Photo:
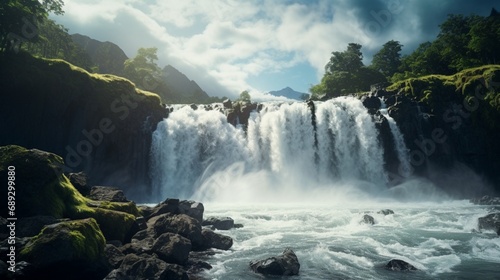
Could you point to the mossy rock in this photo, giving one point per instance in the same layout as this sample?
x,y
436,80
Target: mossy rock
x,y
72,241
42,189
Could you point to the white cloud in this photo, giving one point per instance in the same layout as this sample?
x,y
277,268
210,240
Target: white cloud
x,y
222,43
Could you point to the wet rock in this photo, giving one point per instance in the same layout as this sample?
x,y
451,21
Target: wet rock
x,y
490,222
371,102
286,264
79,181
215,240
113,255
227,104
170,205
221,223
146,267
172,248
385,212
103,193
181,224
192,208
399,265
367,219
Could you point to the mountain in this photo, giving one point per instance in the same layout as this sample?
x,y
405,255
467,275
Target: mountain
x,y
185,89
106,56
290,93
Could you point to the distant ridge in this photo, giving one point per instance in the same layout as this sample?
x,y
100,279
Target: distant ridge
x,y
290,93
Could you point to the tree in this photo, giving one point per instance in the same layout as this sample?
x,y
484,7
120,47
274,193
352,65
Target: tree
x,y
388,60
19,20
349,60
345,73
245,96
142,69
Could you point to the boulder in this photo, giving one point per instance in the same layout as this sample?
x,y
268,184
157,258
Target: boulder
x,y
192,208
490,222
399,265
181,224
68,250
371,102
221,223
172,248
79,181
227,104
146,267
385,212
367,219
138,247
215,240
170,205
285,264
103,193
113,255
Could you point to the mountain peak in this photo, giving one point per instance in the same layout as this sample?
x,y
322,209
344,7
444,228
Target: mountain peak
x,y
288,92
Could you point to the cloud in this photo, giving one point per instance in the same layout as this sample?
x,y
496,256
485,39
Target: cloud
x,y
223,44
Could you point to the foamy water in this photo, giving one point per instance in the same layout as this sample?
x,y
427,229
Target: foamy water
x,y
440,239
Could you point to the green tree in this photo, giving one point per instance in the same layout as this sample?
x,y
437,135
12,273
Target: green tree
x,y
349,60
388,60
143,70
19,20
345,73
245,96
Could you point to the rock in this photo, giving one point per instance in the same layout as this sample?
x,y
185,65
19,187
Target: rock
x,y
286,264
399,265
181,224
194,106
140,235
172,248
238,226
146,267
486,200
490,222
103,193
31,226
227,104
385,212
68,250
79,181
192,208
138,246
113,255
222,223
371,102
215,240
145,210
367,219
170,205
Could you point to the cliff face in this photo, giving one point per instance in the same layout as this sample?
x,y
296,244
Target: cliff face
x,y
451,125
100,124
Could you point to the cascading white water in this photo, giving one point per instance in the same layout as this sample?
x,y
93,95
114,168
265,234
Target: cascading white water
x,y
405,168
197,154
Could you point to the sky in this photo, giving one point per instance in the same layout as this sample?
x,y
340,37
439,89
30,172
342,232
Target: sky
x,y
228,46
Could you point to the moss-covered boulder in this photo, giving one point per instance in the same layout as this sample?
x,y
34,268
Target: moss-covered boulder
x,y
70,250
42,189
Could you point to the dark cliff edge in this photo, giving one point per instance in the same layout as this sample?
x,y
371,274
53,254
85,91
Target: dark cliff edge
x,y
100,124
451,126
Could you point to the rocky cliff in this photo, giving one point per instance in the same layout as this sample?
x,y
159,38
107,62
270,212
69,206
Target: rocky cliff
x,y
100,124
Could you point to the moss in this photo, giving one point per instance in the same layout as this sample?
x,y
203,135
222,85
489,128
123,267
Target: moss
x,y
42,186
127,207
79,240
479,86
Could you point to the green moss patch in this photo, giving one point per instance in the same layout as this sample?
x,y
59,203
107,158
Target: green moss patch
x,y
78,240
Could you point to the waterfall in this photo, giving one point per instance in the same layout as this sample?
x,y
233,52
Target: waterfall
x,y
196,152
405,167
